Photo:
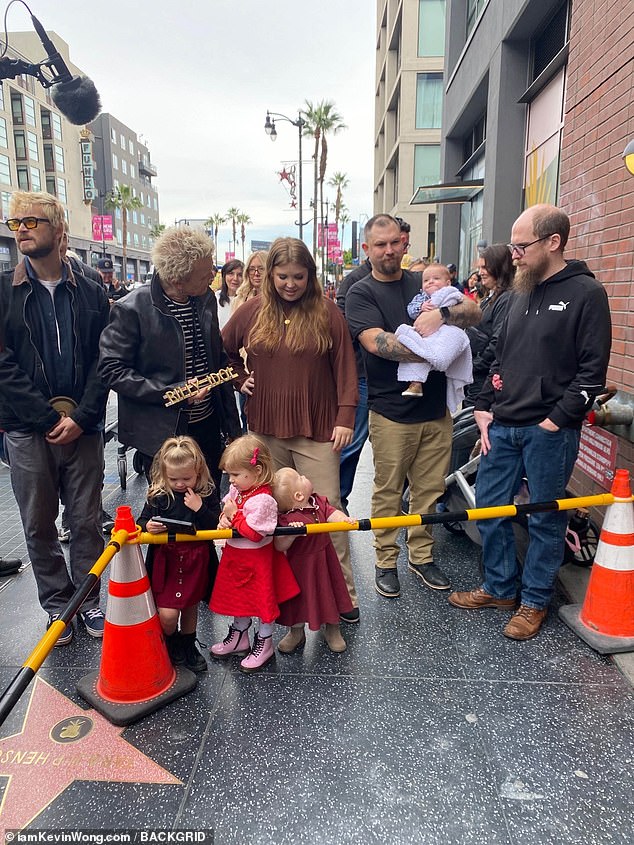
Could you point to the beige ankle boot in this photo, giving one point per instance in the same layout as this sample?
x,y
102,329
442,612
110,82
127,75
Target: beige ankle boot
x,y
334,640
294,639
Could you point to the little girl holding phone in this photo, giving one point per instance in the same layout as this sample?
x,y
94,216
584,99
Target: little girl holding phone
x,y
181,574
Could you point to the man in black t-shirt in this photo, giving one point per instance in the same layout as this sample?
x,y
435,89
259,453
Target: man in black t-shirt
x,y
411,437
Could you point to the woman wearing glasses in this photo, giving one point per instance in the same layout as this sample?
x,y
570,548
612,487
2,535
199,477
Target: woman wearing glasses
x,y
253,275
496,271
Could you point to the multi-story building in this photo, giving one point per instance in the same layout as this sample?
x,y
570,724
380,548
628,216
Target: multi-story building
x,y
408,110
42,151
120,158
503,117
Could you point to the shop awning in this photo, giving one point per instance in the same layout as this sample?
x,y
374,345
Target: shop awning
x,y
447,192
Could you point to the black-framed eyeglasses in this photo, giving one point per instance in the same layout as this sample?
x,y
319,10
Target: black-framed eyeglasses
x,y
14,223
256,270
520,249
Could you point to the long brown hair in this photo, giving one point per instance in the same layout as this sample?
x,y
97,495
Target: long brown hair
x,y
309,327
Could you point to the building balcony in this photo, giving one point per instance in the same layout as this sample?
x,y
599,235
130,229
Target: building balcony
x,y
147,169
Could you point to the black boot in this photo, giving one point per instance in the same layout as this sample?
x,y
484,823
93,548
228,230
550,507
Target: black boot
x,y
193,659
175,650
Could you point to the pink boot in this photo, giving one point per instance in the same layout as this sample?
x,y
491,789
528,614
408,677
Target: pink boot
x,y
236,642
261,653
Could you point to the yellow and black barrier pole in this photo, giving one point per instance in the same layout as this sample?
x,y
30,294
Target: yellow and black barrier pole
x,y
27,672
41,651
407,521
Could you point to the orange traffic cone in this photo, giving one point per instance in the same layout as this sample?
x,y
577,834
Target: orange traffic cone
x,y
136,676
606,619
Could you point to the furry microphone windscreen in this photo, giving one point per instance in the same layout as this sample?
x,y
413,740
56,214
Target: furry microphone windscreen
x,y
78,99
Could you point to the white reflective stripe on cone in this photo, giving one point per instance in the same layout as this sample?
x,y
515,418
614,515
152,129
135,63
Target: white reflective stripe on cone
x,y
128,565
615,549
130,610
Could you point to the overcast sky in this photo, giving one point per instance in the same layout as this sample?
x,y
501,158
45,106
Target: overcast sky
x,y
195,78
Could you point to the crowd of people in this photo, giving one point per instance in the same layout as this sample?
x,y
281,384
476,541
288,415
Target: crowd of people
x,y
527,337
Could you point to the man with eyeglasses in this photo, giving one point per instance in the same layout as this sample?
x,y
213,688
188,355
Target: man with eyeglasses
x,y
52,403
551,361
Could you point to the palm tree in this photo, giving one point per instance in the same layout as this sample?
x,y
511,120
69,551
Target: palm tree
x,y
214,223
243,219
124,199
233,214
340,182
344,218
157,230
321,118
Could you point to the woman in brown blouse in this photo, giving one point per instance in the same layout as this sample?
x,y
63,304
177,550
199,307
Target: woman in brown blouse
x,y
300,379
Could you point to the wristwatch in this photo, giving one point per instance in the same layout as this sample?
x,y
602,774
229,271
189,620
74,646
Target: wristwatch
x,y
444,314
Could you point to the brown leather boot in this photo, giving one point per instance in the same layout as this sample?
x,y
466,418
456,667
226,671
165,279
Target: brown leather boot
x,y
473,599
525,623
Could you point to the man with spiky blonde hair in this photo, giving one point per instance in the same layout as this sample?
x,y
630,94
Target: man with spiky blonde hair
x,y
162,335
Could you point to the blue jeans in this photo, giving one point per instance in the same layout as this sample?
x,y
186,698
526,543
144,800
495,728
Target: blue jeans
x,y
547,458
351,454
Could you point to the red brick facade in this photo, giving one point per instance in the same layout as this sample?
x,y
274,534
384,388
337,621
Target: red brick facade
x,y
596,190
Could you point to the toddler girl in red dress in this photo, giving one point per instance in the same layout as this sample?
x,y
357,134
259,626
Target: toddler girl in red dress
x,y
253,577
313,559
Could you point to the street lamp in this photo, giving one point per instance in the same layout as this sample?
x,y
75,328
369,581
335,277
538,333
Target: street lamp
x,y
271,131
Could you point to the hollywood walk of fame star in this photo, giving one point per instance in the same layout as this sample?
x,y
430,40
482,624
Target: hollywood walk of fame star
x,y
60,743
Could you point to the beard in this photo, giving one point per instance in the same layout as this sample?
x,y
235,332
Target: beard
x,y
388,266
527,278
34,251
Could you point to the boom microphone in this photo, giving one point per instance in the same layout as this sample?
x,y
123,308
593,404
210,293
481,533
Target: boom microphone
x,y
75,96
77,99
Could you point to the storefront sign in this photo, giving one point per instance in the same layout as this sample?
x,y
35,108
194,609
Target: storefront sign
x,y
87,167
102,227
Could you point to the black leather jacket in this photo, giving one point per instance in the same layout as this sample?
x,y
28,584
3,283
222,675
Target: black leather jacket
x,y
24,389
143,355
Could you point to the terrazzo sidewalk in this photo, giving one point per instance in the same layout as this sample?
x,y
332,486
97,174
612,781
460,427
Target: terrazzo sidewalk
x,y
431,728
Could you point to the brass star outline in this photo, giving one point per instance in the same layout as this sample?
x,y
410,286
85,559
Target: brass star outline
x,y
39,768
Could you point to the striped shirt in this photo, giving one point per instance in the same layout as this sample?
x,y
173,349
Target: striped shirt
x,y
196,363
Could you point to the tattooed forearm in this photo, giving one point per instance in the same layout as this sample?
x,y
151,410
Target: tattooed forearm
x,y
387,346
464,314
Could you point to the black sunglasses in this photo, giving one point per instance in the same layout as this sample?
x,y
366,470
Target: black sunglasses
x,y
14,223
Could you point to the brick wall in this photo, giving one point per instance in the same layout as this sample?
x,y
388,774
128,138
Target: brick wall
x,y
596,190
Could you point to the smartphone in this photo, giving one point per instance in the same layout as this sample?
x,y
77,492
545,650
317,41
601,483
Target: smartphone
x,y
176,526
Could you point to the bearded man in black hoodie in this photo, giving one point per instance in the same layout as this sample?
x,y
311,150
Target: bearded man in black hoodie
x,y
551,362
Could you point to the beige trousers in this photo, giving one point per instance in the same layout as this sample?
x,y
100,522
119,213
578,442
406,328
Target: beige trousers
x,y
419,452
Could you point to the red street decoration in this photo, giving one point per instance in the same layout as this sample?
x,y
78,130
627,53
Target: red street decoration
x,y
289,176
